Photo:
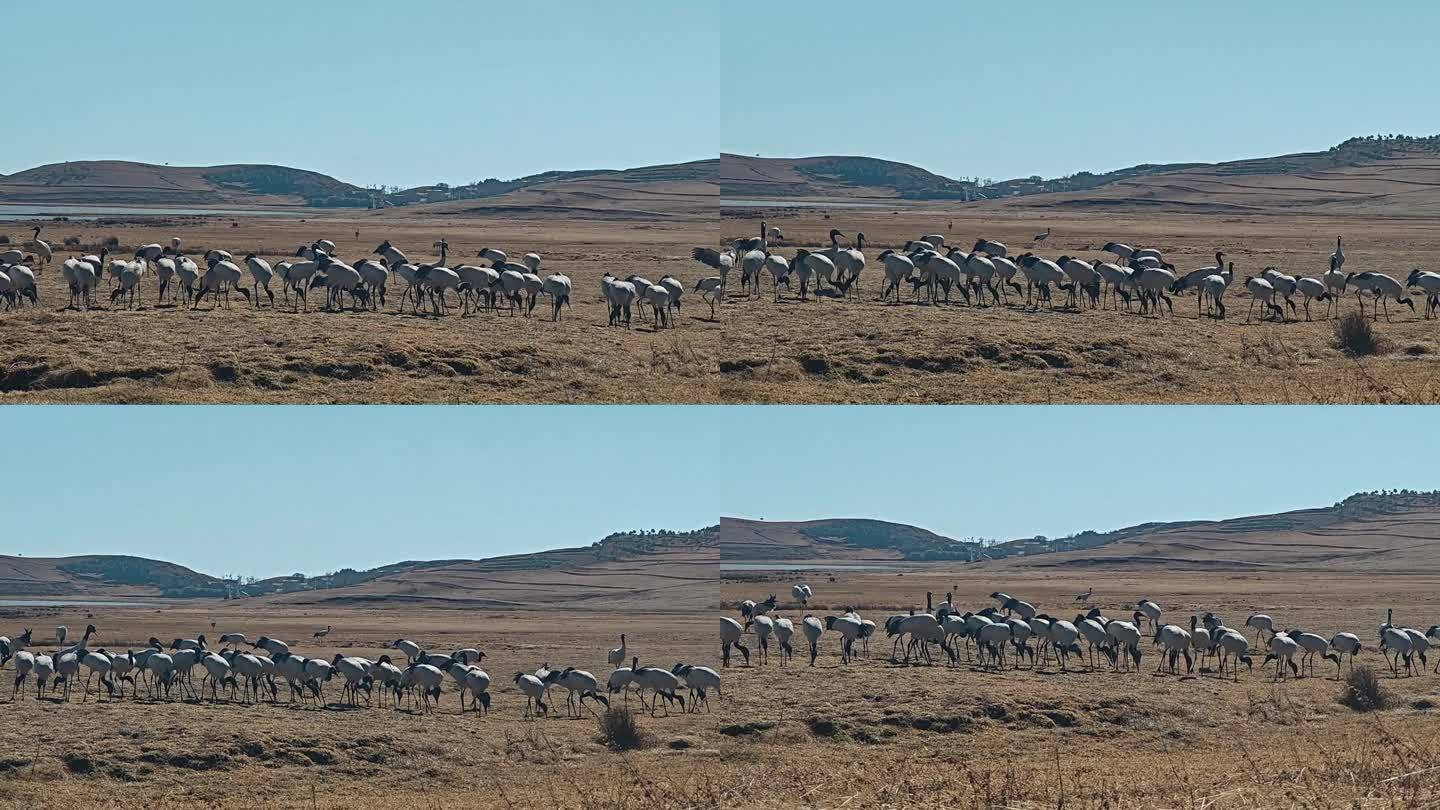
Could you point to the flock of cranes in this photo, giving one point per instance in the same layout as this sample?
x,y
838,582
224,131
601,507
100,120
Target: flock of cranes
x,y
988,273
254,671
1017,630
359,284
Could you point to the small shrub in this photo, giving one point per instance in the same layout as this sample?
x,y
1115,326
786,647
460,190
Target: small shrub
x,y
822,727
1355,336
111,242
619,731
1363,692
72,241
4,240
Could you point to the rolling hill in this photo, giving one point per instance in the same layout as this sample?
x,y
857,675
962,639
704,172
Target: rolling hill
x,y
1365,533
831,177
1405,181
101,576
119,182
681,190
625,571
833,539
1395,175
675,191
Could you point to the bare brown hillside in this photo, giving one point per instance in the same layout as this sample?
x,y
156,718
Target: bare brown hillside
x,y
1386,177
675,579
1404,184
828,177
1402,542
836,539
98,576
678,191
121,182
1364,534
627,571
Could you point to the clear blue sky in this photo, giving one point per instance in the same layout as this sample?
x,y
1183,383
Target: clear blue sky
x,y
273,490
1008,472
370,91
1009,89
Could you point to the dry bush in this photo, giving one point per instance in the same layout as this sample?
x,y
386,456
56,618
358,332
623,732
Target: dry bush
x,y
1355,336
1363,692
620,732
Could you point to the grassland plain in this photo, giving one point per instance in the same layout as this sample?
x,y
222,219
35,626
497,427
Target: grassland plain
x,y
165,353
138,752
862,350
880,733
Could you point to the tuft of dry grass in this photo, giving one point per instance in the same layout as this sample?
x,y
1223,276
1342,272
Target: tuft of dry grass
x,y
619,730
1355,336
1363,691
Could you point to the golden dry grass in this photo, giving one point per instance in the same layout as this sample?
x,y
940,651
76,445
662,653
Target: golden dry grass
x,y
864,351
175,355
137,752
878,733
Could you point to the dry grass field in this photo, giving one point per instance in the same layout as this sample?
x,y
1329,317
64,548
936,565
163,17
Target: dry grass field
x,y
877,733
864,351
142,753
171,354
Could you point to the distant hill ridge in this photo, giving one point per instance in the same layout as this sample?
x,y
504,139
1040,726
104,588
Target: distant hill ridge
x,y
122,575
833,176
1382,512
127,182
119,182
1390,174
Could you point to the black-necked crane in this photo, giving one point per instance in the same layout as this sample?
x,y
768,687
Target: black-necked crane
x,y
41,248
1262,291
1312,289
731,632
616,655
1430,283
1234,649
1343,644
1383,287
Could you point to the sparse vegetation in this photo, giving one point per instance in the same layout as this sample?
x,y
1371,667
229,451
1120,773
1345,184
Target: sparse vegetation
x,y
912,352
1355,336
1288,742
1363,691
620,732
274,356
133,752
